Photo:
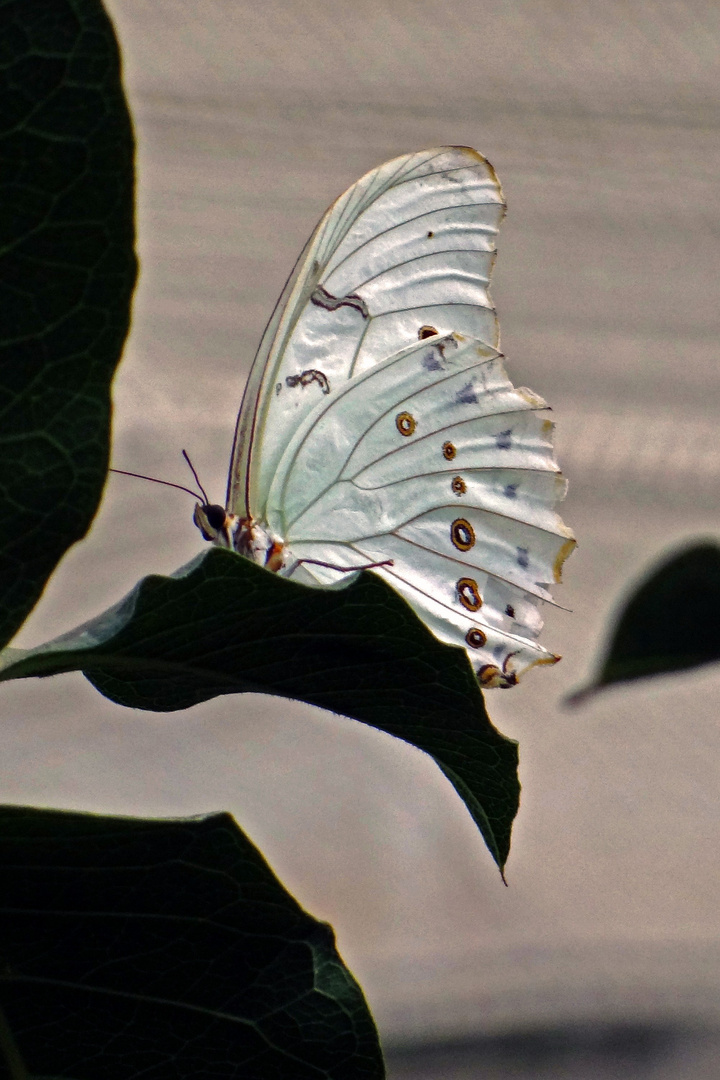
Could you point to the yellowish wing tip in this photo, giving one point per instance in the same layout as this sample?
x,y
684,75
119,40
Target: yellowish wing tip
x,y
482,160
549,658
470,150
561,556
534,401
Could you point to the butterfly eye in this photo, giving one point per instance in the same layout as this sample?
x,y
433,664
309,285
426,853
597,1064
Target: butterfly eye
x,y
405,423
426,331
462,534
215,515
449,451
468,594
210,520
475,638
458,485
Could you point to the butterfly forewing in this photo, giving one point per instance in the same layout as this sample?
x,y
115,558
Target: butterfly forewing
x,y
237,497
375,258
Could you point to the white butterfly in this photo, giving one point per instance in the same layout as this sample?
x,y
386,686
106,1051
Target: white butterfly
x,y
378,425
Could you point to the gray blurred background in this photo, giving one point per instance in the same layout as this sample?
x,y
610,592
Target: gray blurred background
x,y
602,959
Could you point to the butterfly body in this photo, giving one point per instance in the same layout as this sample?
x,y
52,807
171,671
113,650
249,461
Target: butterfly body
x,y
379,428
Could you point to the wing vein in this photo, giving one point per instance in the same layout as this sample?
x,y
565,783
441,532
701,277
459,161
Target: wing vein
x,y
418,217
358,348
459,274
484,510
459,562
456,424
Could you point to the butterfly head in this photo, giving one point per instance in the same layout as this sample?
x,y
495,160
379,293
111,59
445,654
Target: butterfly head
x,y
243,535
215,524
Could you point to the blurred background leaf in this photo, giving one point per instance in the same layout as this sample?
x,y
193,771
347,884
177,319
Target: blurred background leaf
x,y
224,625
670,622
167,948
67,272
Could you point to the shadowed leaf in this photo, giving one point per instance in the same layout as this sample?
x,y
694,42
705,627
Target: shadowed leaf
x,y
224,625
67,271
138,948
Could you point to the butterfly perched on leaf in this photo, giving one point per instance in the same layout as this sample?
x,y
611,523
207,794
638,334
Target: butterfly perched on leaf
x,y
379,429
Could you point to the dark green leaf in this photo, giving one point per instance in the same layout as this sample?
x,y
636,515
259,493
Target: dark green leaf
x,y
228,626
67,271
157,949
670,623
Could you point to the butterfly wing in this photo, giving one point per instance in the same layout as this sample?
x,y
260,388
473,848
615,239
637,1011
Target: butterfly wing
x,y
411,245
432,459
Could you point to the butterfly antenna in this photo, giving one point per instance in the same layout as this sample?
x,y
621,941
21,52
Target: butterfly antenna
x,y
154,480
197,478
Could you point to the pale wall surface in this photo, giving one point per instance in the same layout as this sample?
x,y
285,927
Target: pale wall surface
x,y
602,121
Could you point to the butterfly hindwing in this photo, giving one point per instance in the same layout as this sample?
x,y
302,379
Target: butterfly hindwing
x,y
432,459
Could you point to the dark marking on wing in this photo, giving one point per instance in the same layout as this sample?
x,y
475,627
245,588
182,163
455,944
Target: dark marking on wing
x,y
475,637
510,491
433,359
405,423
504,439
467,395
322,298
469,594
426,332
307,377
490,675
462,534
523,557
